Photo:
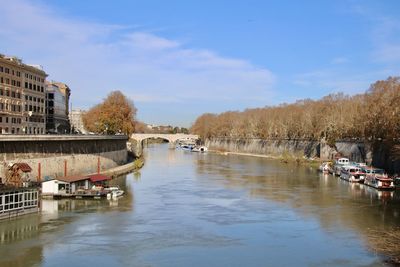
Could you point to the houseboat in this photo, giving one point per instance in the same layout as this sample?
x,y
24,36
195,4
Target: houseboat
x,y
16,201
378,179
77,186
352,174
18,195
338,165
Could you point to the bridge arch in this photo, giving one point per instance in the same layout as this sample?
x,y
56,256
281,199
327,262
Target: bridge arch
x,y
171,138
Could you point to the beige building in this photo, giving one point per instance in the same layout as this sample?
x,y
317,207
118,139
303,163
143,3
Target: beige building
x,y
75,118
22,97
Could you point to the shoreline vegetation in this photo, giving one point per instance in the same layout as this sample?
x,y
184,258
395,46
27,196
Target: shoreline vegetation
x,y
129,167
386,242
373,116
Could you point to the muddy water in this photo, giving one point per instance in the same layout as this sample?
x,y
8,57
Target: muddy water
x,y
188,209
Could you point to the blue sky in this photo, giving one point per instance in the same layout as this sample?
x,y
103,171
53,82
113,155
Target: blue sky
x,y
179,59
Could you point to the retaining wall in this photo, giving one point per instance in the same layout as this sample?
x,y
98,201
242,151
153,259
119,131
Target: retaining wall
x,y
53,156
377,154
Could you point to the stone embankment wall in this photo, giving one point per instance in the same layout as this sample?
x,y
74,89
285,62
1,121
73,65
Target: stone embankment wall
x,y
376,154
266,147
60,155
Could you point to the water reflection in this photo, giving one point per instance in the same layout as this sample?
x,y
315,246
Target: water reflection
x,y
188,209
334,202
16,234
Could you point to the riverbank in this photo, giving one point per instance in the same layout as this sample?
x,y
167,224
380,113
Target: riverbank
x,y
303,150
136,165
312,162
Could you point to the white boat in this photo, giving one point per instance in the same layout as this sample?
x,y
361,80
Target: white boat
x,y
339,163
117,193
199,149
325,167
114,192
352,174
378,179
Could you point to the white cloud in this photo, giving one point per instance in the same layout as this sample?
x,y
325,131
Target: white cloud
x,y
93,58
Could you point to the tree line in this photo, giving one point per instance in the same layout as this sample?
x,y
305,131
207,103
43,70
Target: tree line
x,y
373,115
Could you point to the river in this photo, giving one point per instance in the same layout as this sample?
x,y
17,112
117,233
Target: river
x,y
189,209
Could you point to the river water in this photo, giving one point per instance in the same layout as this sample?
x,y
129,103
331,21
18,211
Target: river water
x,y
189,209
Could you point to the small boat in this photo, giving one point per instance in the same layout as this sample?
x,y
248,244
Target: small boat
x,y
114,192
352,174
325,167
378,179
186,147
117,193
199,149
339,163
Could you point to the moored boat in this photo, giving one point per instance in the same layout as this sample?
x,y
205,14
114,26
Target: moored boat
x,y
199,149
352,174
325,167
378,179
339,163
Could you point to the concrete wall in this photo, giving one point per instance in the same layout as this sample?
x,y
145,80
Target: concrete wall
x,y
76,154
266,147
376,154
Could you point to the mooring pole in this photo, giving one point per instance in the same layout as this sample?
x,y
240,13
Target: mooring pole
x,y
39,172
98,165
65,168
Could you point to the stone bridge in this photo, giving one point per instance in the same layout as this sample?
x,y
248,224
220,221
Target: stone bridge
x,y
171,138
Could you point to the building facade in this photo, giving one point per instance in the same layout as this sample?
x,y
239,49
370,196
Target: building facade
x,y
57,102
22,97
75,118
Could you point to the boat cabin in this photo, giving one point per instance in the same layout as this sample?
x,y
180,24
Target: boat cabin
x,y
65,186
343,161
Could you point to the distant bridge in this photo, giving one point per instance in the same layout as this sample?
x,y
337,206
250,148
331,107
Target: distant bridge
x,y
171,138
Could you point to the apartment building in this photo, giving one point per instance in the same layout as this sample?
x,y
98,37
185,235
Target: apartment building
x,y
75,118
22,97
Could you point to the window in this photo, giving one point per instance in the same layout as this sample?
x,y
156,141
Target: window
x,y
1,69
7,70
26,85
30,86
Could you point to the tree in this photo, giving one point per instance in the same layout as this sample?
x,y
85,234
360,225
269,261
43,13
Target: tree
x,y
115,115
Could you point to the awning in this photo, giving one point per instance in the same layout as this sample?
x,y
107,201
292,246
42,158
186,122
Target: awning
x,y
93,178
73,178
98,178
